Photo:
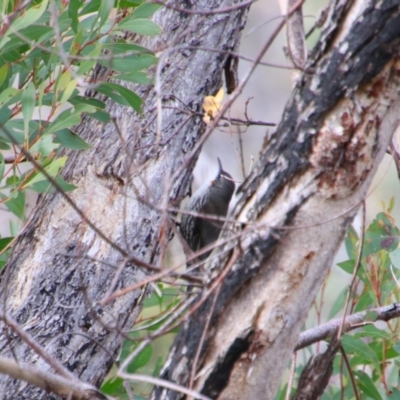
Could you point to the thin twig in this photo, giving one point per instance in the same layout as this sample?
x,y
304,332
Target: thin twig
x,y
163,383
33,344
356,267
353,381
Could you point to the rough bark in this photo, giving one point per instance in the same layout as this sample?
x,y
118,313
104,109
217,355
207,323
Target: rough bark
x,y
60,267
296,207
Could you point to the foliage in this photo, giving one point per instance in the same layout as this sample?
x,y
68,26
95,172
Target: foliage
x,y
48,51
373,350
157,309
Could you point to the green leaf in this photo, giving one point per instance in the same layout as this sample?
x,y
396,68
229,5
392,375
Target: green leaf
x,y
87,100
4,145
140,26
146,10
364,301
128,97
17,204
7,95
29,17
4,242
45,186
141,360
28,105
101,116
112,386
124,48
66,119
2,166
105,9
14,228
86,66
85,108
395,394
3,73
391,205
73,8
52,169
68,92
395,258
130,63
152,300
359,348
371,331
63,80
128,3
35,32
43,147
90,7
347,266
135,77
396,347
366,384
70,140
76,44
381,234
350,242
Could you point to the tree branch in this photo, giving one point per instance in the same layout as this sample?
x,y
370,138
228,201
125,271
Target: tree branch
x,y
351,322
67,388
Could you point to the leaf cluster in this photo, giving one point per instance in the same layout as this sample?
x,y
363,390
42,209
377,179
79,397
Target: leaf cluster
x,y
48,52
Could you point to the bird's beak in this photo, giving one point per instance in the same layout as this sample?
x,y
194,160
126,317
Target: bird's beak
x,y
219,165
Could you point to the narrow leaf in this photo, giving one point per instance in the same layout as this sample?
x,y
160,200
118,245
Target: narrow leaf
x,y
140,26
3,73
45,186
146,10
131,63
131,98
135,77
105,9
65,120
43,147
29,17
73,8
28,105
4,242
7,95
52,169
17,204
2,166
70,140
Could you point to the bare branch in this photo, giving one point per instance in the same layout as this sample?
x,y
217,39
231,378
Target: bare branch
x,y
67,388
351,322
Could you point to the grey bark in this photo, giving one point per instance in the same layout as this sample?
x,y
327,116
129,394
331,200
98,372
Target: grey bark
x,y
296,207
60,267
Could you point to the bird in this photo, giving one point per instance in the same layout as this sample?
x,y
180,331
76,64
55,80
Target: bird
x,y
212,198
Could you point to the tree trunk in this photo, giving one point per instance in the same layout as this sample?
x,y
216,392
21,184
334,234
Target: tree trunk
x,y
295,208
61,268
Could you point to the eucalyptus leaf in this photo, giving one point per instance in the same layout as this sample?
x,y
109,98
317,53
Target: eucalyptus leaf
x,y
131,98
28,105
67,138
141,26
146,10
29,17
17,204
66,119
45,186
